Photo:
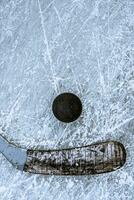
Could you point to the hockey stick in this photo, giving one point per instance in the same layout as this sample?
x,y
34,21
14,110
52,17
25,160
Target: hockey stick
x,y
96,158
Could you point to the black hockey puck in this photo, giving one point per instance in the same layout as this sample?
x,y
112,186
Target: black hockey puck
x,y
67,107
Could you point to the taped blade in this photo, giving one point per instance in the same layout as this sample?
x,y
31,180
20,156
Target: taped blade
x,y
93,159
96,158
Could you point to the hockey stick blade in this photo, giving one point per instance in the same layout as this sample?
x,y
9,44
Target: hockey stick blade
x,y
96,158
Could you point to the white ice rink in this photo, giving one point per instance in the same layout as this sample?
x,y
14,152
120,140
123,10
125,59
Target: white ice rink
x,y
52,46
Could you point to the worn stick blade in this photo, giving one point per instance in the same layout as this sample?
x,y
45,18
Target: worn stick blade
x,y
93,159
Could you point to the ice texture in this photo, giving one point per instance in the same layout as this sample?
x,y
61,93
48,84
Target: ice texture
x,y
52,46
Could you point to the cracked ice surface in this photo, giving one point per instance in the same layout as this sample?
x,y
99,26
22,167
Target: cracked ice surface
x,y
81,46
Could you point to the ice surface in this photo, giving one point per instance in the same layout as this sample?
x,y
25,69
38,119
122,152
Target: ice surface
x,y
81,46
